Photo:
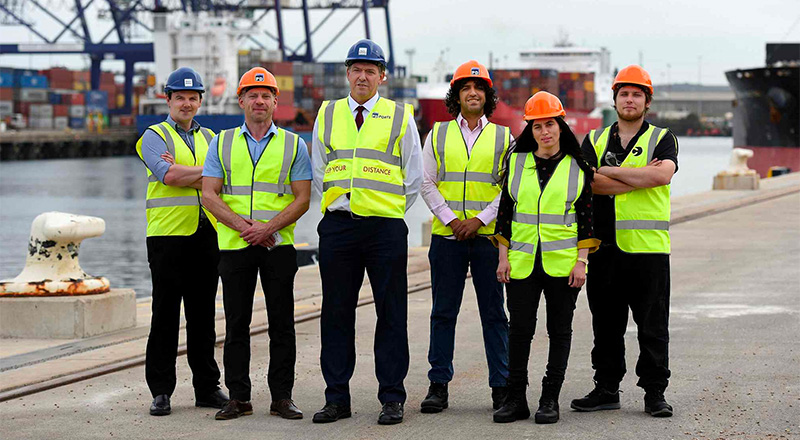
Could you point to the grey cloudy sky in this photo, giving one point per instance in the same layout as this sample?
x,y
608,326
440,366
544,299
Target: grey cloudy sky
x,y
695,38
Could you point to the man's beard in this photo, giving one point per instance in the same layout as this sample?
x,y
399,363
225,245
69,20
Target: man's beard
x,y
639,116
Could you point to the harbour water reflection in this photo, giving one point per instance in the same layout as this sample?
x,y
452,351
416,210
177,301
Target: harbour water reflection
x,y
114,189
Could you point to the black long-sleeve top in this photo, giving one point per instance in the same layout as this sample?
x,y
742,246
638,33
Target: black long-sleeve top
x,y
583,206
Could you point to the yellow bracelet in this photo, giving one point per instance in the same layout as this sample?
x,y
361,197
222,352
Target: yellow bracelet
x,y
584,261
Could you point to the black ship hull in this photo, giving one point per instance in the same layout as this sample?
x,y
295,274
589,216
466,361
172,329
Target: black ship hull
x,y
767,116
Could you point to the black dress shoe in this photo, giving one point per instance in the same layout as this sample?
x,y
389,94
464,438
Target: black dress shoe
x,y
332,412
217,399
160,406
286,409
234,409
391,414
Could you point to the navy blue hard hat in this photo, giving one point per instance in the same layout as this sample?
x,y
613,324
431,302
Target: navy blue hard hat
x,y
185,78
365,50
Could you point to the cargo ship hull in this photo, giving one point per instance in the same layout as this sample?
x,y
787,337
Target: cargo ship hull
x,y
767,116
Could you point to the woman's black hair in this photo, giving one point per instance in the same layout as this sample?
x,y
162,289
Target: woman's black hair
x,y
452,98
568,144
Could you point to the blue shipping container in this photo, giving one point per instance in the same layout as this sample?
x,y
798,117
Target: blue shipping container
x,y
33,82
55,98
6,79
77,122
97,101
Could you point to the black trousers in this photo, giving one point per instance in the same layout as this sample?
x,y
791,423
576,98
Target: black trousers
x,y
239,270
618,282
347,248
183,269
523,303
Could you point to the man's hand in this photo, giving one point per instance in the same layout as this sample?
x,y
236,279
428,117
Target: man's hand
x,y
258,234
469,229
168,158
456,226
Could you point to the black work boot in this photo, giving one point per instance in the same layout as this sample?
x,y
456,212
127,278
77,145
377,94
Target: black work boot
x,y
436,400
499,395
515,406
655,404
548,403
602,397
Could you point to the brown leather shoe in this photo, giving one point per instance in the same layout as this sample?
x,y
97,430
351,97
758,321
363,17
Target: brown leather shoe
x,y
233,409
286,409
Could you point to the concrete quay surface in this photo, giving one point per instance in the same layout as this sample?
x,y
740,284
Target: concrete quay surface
x,y
734,352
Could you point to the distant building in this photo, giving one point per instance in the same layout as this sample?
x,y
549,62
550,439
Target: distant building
x,y
675,101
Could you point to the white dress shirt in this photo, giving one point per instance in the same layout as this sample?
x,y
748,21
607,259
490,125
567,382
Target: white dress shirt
x,y
410,155
430,192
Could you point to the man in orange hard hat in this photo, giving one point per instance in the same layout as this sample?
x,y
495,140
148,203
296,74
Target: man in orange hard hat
x,y
635,163
461,164
257,182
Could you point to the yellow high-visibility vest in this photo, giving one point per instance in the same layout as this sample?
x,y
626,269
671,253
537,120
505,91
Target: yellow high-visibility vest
x,y
641,216
468,182
547,216
366,163
259,191
175,210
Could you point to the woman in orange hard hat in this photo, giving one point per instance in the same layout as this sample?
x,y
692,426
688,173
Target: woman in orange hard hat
x,y
544,233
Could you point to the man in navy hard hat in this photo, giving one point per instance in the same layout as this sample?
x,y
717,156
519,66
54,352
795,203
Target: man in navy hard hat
x,y
366,158
181,247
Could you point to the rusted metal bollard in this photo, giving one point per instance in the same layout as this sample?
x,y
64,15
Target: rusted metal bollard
x,y
51,266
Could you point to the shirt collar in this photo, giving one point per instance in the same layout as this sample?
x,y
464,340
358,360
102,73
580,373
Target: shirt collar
x,y
367,105
272,130
463,122
195,125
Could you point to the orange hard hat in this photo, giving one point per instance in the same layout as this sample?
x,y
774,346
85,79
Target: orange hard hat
x,y
633,74
471,69
543,105
257,77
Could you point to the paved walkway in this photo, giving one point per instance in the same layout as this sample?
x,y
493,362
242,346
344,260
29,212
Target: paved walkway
x,y
734,350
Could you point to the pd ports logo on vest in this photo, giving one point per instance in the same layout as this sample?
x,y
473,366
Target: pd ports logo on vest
x,y
362,51
637,151
379,116
187,82
475,71
377,170
260,77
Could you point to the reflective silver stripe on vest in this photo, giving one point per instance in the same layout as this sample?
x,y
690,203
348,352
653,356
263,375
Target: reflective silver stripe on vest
x,y
288,151
643,224
526,219
238,190
499,143
559,245
379,186
172,201
208,134
152,178
167,138
344,183
519,165
397,125
227,144
651,145
275,188
521,247
572,187
263,214
545,219
441,138
469,176
597,134
340,154
326,133
469,205
386,158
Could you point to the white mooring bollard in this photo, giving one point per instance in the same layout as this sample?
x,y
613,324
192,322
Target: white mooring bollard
x,y
738,176
53,297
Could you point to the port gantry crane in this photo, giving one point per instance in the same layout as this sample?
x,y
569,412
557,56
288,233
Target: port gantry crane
x,y
88,31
